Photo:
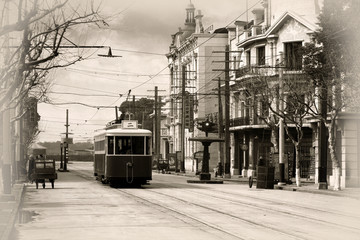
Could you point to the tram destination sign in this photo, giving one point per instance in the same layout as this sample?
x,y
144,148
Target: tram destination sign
x,y
132,124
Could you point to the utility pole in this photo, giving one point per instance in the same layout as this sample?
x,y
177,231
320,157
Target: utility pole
x,y
66,143
227,107
220,130
157,124
281,124
322,138
183,81
227,113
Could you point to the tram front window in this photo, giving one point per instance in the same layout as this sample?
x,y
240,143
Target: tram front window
x,y
129,145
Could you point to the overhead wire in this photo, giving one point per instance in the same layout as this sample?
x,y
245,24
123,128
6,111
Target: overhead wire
x,y
212,36
143,83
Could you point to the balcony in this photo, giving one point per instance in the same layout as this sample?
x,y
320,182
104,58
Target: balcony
x,y
253,70
240,121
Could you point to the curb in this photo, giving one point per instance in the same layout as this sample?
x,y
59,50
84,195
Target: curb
x,y
18,196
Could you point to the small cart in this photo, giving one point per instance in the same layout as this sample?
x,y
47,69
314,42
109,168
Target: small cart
x,y
42,170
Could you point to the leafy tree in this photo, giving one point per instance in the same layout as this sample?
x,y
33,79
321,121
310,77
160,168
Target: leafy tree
x,y
332,61
139,110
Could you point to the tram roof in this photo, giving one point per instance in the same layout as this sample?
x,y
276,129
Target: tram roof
x,y
123,132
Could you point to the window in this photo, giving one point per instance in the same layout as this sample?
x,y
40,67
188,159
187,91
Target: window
x,y
234,63
248,58
148,145
293,56
129,145
99,145
110,145
260,55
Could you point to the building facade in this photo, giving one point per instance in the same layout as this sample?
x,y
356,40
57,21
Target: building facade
x,y
193,59
264,51
255,50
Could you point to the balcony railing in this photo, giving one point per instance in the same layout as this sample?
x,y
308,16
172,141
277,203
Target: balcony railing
x,y
252,70
240,121
244,121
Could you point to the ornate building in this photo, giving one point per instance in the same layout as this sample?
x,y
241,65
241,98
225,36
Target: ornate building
x,y
192,99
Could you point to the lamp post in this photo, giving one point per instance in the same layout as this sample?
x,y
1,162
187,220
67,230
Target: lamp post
x,y
206,126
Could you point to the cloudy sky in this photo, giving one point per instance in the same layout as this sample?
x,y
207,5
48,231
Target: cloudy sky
x,y
140,31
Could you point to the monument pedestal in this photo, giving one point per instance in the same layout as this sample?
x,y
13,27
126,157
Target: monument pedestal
x,y
205,176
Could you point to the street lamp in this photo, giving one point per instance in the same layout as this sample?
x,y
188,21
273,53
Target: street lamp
x,y
207,126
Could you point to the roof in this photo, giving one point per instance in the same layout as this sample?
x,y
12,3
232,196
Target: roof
x,y
280,22
273,29
122,132
37,146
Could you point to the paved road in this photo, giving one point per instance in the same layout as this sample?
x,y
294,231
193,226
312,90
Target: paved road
x,y
169,208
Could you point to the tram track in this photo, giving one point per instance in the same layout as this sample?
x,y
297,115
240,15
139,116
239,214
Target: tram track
x,y
277,210
181,214
278,201
153,202
161,208
177,212
271,201
207,223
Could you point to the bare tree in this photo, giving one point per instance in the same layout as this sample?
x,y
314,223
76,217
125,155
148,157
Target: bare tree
x,y
40,33
296,99
42,28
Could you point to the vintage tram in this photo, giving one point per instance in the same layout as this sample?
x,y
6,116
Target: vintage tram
x,y
123,154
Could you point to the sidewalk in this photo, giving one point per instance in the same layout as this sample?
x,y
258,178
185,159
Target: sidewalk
x,y
9,209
